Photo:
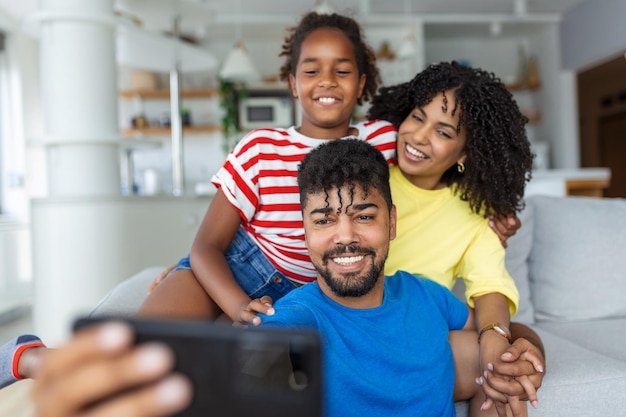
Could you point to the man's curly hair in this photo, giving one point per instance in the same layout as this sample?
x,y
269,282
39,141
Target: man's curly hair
x,y
364,54
344,162
498,157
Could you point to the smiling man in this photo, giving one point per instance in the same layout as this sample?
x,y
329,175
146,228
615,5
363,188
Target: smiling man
x,y
386,350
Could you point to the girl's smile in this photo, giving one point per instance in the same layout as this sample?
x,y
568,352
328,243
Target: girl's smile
x,y
327,83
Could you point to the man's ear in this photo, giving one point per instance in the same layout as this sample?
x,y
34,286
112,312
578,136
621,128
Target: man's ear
x,y
292,85
392,223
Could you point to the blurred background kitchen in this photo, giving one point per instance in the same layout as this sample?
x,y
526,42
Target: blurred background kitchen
x,y
114,115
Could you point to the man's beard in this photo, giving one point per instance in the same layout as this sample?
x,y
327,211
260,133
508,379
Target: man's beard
x,y
354,284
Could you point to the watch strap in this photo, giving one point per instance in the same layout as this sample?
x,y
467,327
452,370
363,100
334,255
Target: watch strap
x,y
498,328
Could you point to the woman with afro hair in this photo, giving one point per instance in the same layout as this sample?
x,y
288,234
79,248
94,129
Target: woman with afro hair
x,y
463,157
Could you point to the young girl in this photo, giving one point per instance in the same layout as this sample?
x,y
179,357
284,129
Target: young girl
x,y
462,155
251,241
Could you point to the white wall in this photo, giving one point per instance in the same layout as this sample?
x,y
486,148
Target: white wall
x,y
97,242
25,167
591,32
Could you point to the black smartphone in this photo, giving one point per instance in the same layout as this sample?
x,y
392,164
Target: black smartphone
x,y
260,372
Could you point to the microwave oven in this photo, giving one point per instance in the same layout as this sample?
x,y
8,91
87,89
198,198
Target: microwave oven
x,y
266,111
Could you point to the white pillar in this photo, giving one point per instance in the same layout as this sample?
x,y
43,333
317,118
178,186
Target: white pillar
x,y
75,246
79,89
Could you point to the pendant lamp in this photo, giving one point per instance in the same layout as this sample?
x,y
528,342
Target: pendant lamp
x,y
238,66
408,47
323,7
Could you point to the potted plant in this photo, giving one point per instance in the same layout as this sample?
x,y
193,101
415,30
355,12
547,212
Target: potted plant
x,y
231,92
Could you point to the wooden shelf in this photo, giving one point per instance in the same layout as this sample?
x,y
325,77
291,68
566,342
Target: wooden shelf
x,y
164,93
587,188
166,131
533,118
522,87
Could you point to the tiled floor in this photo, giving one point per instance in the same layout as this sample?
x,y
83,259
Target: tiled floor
x,y
15,400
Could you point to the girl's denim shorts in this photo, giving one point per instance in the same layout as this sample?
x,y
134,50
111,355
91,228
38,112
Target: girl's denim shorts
x,y
253,272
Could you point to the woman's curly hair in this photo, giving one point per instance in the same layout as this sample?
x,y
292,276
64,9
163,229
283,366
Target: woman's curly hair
x,y
498,157
364,54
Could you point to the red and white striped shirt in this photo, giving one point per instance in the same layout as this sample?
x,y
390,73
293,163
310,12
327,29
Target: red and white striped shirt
x,y
259,178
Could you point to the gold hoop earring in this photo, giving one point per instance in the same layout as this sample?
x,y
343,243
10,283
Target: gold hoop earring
x,y
460,167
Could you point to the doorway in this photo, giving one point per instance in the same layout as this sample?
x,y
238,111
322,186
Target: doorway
x,y
602,121
613,151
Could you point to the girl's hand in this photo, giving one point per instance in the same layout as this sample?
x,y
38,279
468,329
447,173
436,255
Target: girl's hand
x,y
504,226
263,305
100,372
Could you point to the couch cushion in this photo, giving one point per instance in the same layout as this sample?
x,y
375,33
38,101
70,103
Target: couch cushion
x,y
126,297
579,382
517,253
603,336
578,258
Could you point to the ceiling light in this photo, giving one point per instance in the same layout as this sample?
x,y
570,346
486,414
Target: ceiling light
x,y
323,7
238,66
519,7
495,28
408,48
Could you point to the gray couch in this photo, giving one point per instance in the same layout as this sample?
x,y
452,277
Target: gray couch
x,y
569,262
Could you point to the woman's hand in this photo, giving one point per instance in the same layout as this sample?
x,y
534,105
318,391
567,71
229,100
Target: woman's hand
x,y
492,346
100,372
515,376
504,226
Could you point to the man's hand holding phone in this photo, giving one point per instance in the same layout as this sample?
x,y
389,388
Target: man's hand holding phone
x,y
101,371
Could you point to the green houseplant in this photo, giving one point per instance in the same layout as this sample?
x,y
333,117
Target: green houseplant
x,y
230,94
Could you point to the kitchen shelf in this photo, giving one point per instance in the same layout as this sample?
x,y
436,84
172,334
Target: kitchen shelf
x,y
166,131
533,118
522,87
163,93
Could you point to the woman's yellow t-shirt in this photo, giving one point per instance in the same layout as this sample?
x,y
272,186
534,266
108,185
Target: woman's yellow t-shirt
x,y
439,237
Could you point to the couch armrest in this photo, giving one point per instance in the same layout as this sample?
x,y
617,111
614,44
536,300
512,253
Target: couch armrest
x,y
126,297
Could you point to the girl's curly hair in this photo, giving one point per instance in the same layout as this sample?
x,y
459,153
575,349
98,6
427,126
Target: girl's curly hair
x,y
364,54
498,157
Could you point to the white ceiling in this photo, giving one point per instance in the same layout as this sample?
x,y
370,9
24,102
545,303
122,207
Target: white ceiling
x,y
267,18
220,19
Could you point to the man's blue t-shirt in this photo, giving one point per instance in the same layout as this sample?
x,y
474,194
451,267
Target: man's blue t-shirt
x,y
392,360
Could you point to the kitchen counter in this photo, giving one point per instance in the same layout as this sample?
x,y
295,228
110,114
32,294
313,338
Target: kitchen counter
x,y
572,181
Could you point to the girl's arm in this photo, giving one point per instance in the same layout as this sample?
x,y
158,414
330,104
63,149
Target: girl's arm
x,y
208,262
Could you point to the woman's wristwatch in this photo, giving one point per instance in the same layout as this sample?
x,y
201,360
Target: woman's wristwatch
x,y
498,328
